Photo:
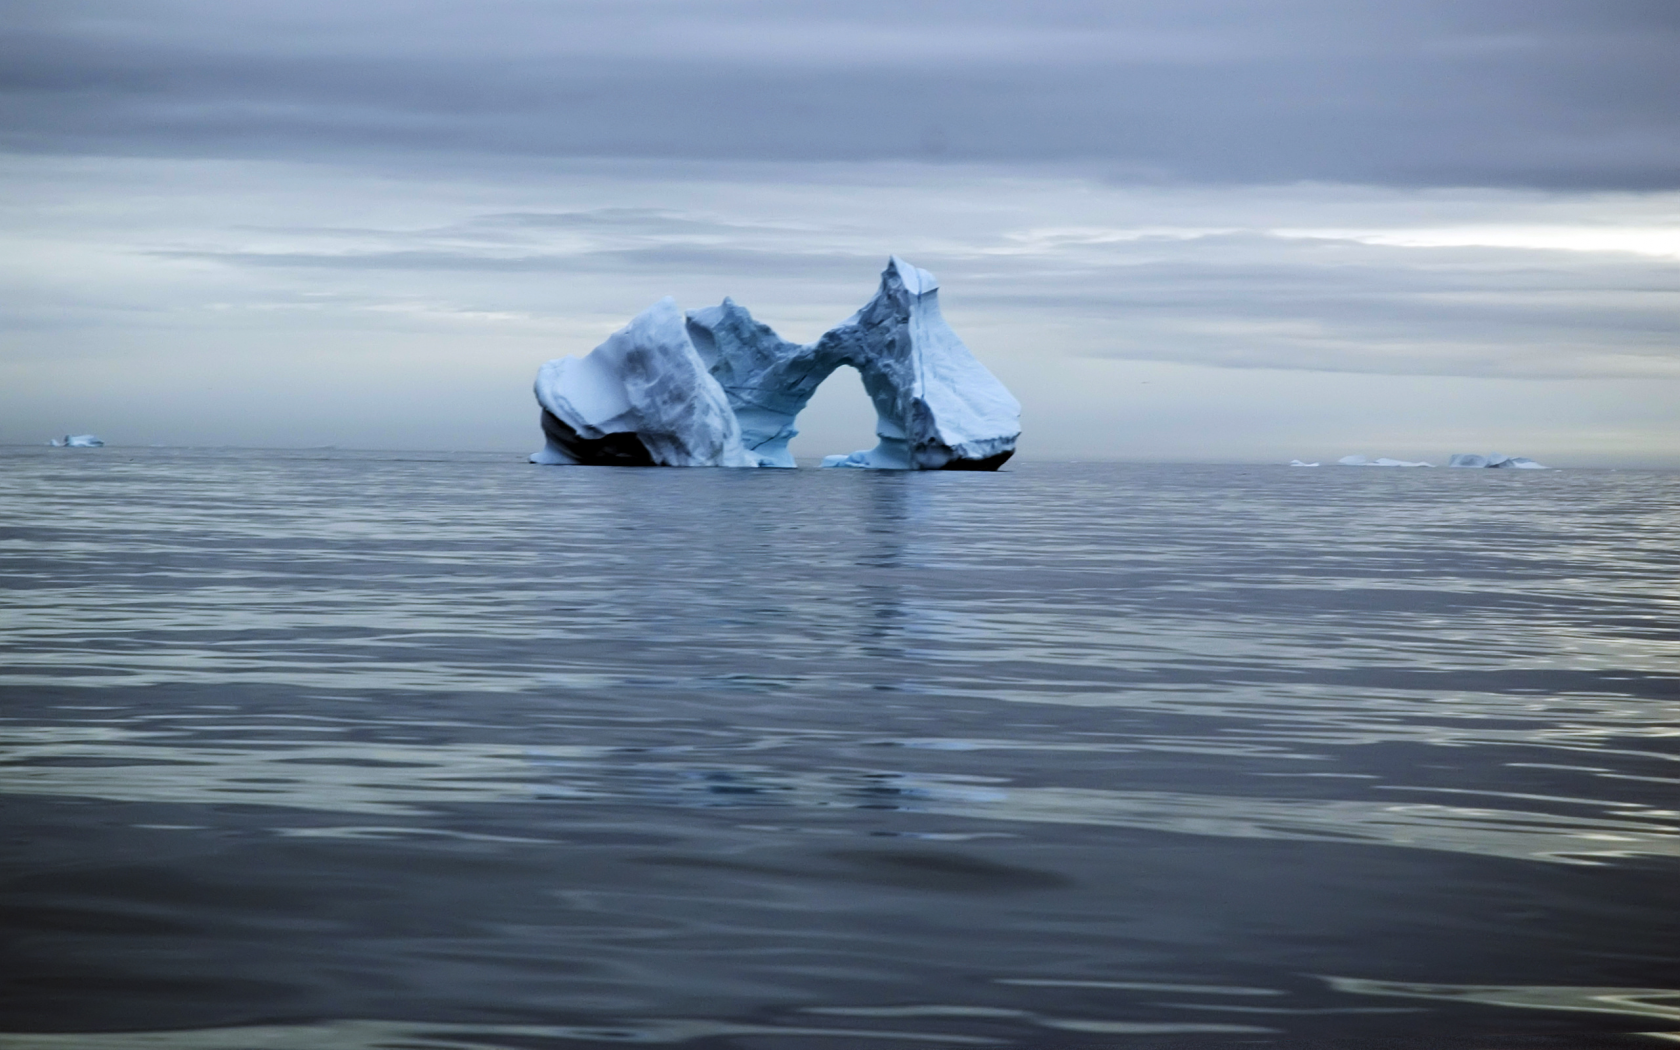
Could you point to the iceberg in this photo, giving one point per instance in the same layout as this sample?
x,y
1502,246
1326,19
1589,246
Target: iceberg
x,y
718,388
77,441
1299,463
1382,461
1493,459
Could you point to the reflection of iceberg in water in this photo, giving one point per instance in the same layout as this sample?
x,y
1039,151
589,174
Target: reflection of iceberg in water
x,y
880,561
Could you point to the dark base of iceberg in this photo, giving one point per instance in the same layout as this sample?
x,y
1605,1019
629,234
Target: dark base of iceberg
x,y
988,463
609,450
716,388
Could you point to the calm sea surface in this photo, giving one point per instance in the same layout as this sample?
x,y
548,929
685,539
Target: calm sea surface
x,y
347,751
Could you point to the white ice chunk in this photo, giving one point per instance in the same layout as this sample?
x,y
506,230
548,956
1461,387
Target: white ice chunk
x,y
552,455
77,441
642,397
1298,463
585,389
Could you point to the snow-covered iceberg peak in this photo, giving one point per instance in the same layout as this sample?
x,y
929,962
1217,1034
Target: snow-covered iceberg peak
x,y
721,389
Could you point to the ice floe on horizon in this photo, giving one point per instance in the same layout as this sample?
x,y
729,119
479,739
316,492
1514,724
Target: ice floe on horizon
x,y
1493,459
1458,459
1381,461
77,441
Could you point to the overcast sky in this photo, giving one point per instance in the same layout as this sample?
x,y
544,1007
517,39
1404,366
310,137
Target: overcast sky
x,y
1201,230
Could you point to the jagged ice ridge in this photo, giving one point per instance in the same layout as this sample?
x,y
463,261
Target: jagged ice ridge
x,y
718,389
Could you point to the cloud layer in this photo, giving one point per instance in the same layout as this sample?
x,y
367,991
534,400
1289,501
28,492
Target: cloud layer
x,y
1547,93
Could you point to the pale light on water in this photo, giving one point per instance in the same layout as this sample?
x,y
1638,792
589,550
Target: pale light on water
x,y
358,750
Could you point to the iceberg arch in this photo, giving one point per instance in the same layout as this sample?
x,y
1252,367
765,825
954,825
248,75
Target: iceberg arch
x,y
718,388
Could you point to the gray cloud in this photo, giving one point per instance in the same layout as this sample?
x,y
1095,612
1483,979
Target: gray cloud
x,y
1469,92
1219,280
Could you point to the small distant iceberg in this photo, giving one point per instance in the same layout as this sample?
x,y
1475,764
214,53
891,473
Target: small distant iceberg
x,y
77,441
1298,463
1493,459
1361,461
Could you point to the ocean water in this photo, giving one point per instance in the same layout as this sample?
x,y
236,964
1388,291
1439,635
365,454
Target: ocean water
x,y
345,751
